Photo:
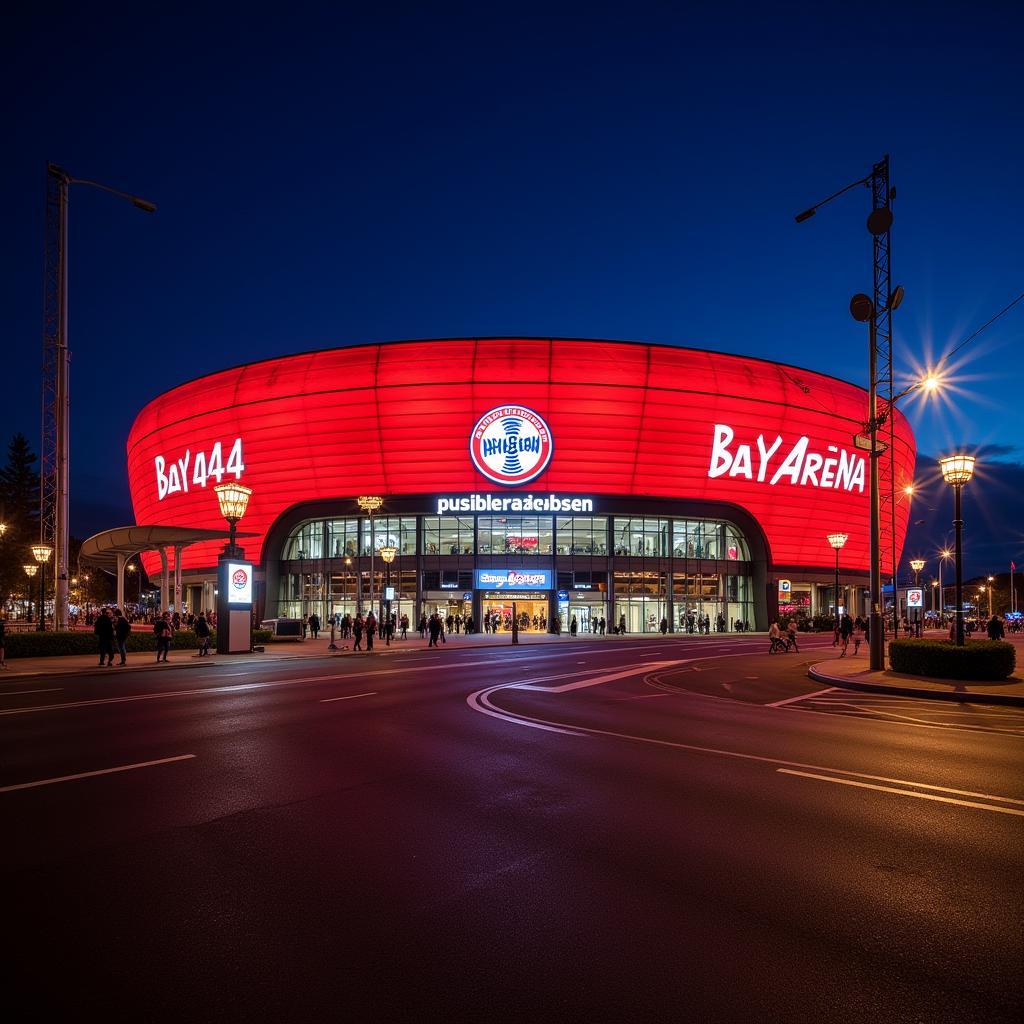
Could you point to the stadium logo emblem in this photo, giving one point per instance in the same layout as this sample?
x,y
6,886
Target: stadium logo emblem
x,y
511,445
239,579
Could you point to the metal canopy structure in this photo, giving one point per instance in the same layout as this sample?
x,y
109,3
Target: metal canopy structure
x,y
112,549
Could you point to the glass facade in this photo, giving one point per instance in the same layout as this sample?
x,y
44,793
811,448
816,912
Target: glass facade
x,y
639,573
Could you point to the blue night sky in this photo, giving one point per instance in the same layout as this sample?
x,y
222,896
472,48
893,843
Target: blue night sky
x,y
326,178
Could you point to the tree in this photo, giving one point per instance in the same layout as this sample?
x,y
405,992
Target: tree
x,y
19,511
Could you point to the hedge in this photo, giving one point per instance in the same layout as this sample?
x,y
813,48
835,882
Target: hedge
x,y
140,640
942,659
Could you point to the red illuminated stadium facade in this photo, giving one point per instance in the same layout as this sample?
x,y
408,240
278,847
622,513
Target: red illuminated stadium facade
x,y
582,479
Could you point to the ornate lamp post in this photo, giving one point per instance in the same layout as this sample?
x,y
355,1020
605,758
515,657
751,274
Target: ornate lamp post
x,y
388,553
917,564
369,503
233,500
944,556
836,541
234,580
41,553
957,470
30,571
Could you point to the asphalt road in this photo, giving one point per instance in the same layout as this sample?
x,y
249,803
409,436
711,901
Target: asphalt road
x,y
679,829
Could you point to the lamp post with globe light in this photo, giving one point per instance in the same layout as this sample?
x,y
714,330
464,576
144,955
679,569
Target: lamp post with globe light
x,y
836,542
944,556
935,594
917,564
235,584
957,471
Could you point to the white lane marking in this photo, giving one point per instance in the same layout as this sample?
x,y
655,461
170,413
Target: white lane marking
x,y
642,696
480,701
239,687
351,696
18,693
596,680
804,696
907,722
91,775
907,792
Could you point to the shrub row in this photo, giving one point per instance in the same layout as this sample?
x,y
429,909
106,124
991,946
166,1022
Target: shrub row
x,y
942,659
140,640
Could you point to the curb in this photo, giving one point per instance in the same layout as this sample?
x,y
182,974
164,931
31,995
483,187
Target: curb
x,y
959,696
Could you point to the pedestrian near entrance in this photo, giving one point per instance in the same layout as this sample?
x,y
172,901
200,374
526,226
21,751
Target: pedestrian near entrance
x,y
357,633
202,628
791,634
314,625
371,629
572,626
845,632
858,634
434,628
664,626
423,626
162,629
995,628
622,623
122,627
104,630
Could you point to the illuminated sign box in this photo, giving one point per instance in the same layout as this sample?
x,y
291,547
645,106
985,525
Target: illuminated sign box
x,y
239,581
915,598
508,579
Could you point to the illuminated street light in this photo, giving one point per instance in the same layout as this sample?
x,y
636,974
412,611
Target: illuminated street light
x,y
836,541
917,564
957,470
233,500
41,553
369,503
30,571
388,552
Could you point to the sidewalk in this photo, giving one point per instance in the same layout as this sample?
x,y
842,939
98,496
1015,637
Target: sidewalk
x,y
852,673
291,650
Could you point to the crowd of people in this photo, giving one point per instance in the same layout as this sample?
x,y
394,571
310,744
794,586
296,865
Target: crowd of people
x,y
112,627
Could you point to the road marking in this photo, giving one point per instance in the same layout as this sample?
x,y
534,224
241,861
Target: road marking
x,y
91,775
17,693
596,680
642,696
351,696
803,696
910,792
480,701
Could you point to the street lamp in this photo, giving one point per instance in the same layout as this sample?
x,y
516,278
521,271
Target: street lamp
x,y
57,367
131,568
917,564
837,540
944,556
388,553
935,592
30,571
41,553
233,500
991,581
369,503
957,471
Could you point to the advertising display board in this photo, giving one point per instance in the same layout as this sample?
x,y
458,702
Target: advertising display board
x,y
239,575
915,598
513,579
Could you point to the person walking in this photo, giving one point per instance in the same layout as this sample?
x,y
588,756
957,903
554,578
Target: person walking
x,y
845,632
357,633
423,625
314,625
664,626
791,633
371,630
858,634
202,628
995,628
163,631
572,626
404,622
122,627
622,623
434,628
104,630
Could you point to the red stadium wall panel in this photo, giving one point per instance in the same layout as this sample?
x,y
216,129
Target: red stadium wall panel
x,y
625,419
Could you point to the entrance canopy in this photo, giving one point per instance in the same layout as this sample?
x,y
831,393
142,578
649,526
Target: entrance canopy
x,y
111,549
